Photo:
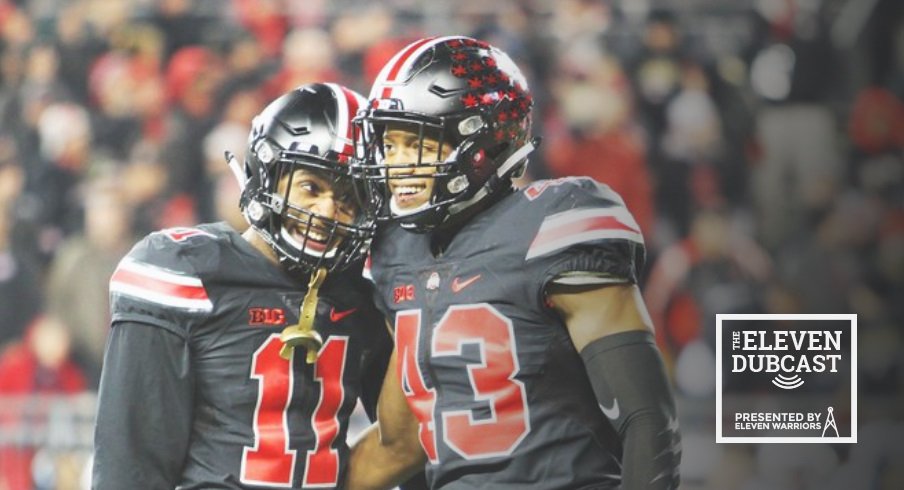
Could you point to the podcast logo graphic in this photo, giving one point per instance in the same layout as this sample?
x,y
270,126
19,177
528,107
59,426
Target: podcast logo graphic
x,y
748,346
779,378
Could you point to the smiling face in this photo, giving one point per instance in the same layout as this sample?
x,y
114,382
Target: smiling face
x,y
411,167
319,205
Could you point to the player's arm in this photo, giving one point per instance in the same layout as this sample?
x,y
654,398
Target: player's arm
x,y
144,409
388,452
611,330
374,367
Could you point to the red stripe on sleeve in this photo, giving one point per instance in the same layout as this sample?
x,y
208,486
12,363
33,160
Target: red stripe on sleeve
x,y
157,285
597,223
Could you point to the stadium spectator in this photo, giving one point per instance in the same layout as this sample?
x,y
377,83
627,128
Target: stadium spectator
x,y
79,274
800,166
595,135
37,365
193,77
21,293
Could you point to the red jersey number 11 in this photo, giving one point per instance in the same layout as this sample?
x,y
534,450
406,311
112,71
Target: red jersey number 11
x,y
270,461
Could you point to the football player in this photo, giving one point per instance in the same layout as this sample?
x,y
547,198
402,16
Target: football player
x,y
235,360
522,344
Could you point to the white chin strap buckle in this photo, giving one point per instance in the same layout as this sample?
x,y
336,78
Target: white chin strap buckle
x,y
237,170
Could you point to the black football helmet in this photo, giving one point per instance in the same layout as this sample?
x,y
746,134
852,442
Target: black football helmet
x,y
308,128
471,98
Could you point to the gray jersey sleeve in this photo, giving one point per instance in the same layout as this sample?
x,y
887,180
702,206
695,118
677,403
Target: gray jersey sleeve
x,y
586,235
144,409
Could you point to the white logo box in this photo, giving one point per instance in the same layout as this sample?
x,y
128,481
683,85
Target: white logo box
x,y
851,318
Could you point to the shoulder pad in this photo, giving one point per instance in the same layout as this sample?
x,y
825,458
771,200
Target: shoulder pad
x,y
183,234
577,187
158,273
579,211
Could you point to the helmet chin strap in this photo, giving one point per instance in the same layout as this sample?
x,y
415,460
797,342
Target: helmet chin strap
x,y
237,170
399,212
515,158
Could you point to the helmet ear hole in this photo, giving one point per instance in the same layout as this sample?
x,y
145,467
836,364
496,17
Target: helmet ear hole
x,y
256,211
470,125
457,184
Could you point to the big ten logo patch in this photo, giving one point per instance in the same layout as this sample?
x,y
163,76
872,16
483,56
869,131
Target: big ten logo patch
x,y
266,316
403,293
786,378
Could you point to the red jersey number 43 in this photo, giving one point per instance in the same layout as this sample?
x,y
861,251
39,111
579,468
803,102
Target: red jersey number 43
x,y
492,379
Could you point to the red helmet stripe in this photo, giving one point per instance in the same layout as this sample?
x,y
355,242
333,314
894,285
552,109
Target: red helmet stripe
x,y
348,108
400,62
354,104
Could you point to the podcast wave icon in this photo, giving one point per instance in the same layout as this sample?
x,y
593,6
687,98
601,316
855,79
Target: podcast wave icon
x,y
788,382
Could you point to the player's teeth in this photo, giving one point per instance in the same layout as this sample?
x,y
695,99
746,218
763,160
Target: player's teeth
x,y
413,189
311,235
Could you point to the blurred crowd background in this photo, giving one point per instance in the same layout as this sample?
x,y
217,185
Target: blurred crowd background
x,y
759,144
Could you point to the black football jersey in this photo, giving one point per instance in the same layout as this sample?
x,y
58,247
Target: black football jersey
x,y
489,369
254,420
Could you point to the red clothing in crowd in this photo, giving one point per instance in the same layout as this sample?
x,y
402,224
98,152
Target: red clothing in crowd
x,y
22,374
876,121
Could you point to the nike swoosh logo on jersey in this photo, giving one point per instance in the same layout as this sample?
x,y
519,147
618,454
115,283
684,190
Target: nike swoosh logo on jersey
x,y
458,285
336,316
611,412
